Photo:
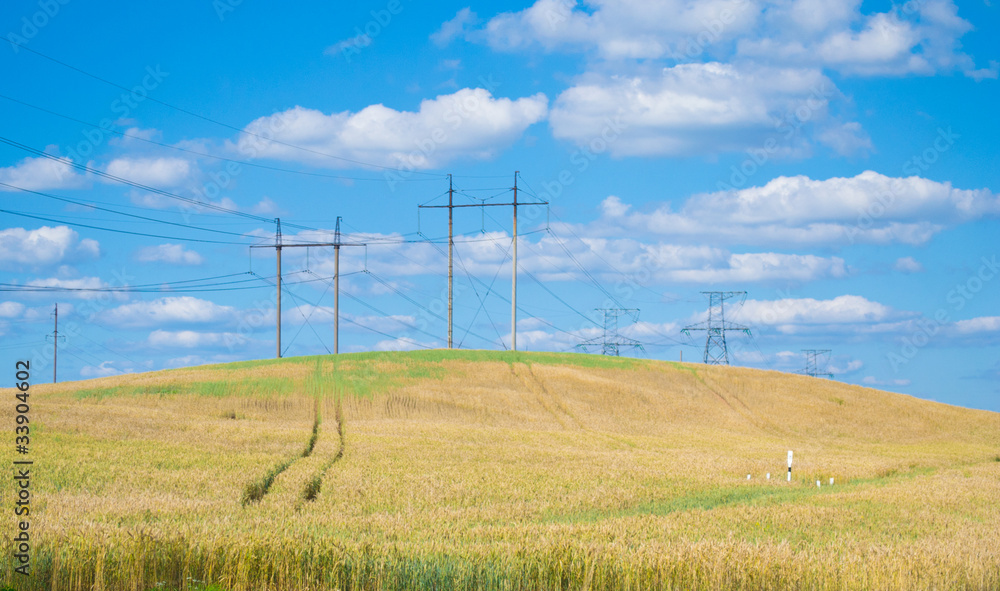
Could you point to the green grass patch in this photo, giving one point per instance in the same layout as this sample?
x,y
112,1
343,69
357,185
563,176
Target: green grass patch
x,y
750,494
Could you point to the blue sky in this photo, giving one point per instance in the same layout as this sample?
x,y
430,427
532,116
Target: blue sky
x,y
837,162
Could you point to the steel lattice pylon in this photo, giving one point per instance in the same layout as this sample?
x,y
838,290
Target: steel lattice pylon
x,y
716,352
610,341
812,363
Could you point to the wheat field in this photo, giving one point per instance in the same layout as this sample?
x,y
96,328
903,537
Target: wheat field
x,y
485,470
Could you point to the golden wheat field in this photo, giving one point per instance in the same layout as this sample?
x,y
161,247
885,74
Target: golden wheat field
x,y
485,470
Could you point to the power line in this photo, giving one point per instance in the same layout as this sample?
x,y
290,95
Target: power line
x,y
716,351
203,154
115,230
202,117
131,215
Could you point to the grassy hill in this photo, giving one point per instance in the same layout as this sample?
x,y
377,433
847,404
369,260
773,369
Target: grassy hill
x,y
488,470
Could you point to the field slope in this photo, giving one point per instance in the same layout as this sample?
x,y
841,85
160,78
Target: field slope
x,y
488,470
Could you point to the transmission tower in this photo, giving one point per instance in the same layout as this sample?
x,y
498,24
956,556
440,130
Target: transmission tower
x,y
812,363
716,326
611,342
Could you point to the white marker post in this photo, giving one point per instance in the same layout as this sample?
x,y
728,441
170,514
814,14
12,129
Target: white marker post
x,y
817,484
831,482
768,475
789,465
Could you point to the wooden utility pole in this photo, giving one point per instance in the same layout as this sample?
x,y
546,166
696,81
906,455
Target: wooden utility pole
x,y
451,242
513,279
55,344
336,244
451,247
277,249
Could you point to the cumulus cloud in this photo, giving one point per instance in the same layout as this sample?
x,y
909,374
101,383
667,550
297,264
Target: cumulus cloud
x,y
692,108
105,369
766,266
458,26
173,254
40,174
982,324
912,38
44,247
325,315
873,381
402,344
11,309
908,265
156,172
616,29
470,123
867,208
189,339
786,313
167,311
68,287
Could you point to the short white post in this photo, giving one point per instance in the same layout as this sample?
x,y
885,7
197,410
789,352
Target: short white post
x,y
817,484
748,477
789,465
768,475
831,482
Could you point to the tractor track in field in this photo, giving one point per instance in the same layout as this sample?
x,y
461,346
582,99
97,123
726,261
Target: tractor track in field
x,y
256,490
549,401
313,486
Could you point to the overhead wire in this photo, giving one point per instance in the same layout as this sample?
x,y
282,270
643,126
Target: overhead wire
x,y
204,118
201,154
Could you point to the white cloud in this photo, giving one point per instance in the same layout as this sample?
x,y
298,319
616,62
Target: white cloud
x,y
693,108
846,139
156,172
618,29
40,174
11,309
913,38
873,381
105,369
978,325
845,309
766,266
456,27
852,366
265,206
88,283
174,254
470,123
44,247
166,311
908,265
402,344
869,208
155,201
325,315
189,339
